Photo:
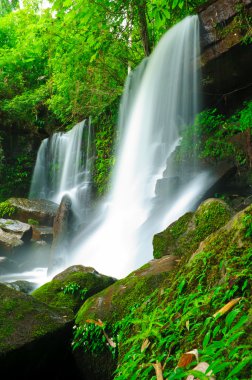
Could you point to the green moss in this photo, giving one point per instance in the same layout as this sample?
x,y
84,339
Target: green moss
x,y
181,316
33,222
53,294
184,235
22,318
177,313
164,242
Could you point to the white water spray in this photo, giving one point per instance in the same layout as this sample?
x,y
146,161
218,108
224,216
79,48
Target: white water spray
x,y
164,101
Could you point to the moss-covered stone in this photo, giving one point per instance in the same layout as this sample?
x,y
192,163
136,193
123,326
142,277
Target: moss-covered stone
x,y
231,244
22,319
113,303
164,242
183,315
34,338
187,232
41,210
70,288
178,303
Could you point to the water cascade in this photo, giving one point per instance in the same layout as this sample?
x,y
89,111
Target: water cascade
x,y
63,166
160,100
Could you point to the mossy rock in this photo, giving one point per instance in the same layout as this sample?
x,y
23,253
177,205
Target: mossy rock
x,y
41,210
70,288
23,319
231,243
184,235
34,338
113,303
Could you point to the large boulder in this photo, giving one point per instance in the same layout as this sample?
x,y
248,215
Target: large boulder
x,y
9,242
110,306
16,227
203,305
70,288
205,312
34,337
41,210
62,233
187,232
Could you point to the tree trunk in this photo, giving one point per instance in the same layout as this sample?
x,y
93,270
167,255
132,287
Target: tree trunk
x,y
141,7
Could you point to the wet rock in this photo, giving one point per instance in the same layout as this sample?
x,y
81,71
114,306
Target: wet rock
x,y
41,210
70,288
22,286
34,338
42,233
217,17
16,227
62,232
9,242
225,59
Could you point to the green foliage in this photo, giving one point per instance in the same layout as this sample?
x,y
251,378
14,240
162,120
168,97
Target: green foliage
x,y
105,137
178,321
191,313
75,289
218,138
90,336
6,209
247,224
16,175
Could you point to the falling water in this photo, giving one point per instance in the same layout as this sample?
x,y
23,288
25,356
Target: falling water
x,y
154,110
63,166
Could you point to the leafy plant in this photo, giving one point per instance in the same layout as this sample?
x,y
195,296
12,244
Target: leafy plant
x,y
75,289
6,209
247,223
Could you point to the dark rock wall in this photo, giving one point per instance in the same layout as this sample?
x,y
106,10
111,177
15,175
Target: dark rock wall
x,y
226,55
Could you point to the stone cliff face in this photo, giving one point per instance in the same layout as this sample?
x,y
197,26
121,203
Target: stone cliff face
x,y
226,57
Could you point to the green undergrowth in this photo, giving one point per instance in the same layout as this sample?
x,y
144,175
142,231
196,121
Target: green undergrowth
x,y
188,315
6,209
216,137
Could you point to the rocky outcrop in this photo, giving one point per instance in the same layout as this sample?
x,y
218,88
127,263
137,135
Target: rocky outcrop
x,y
70,288
182,308
9,242
114,303
22,286
187,232
16,227
62,232
34,337
42,211
226,58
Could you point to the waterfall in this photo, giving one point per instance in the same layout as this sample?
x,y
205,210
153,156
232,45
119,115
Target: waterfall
x,y
63,166
160,99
